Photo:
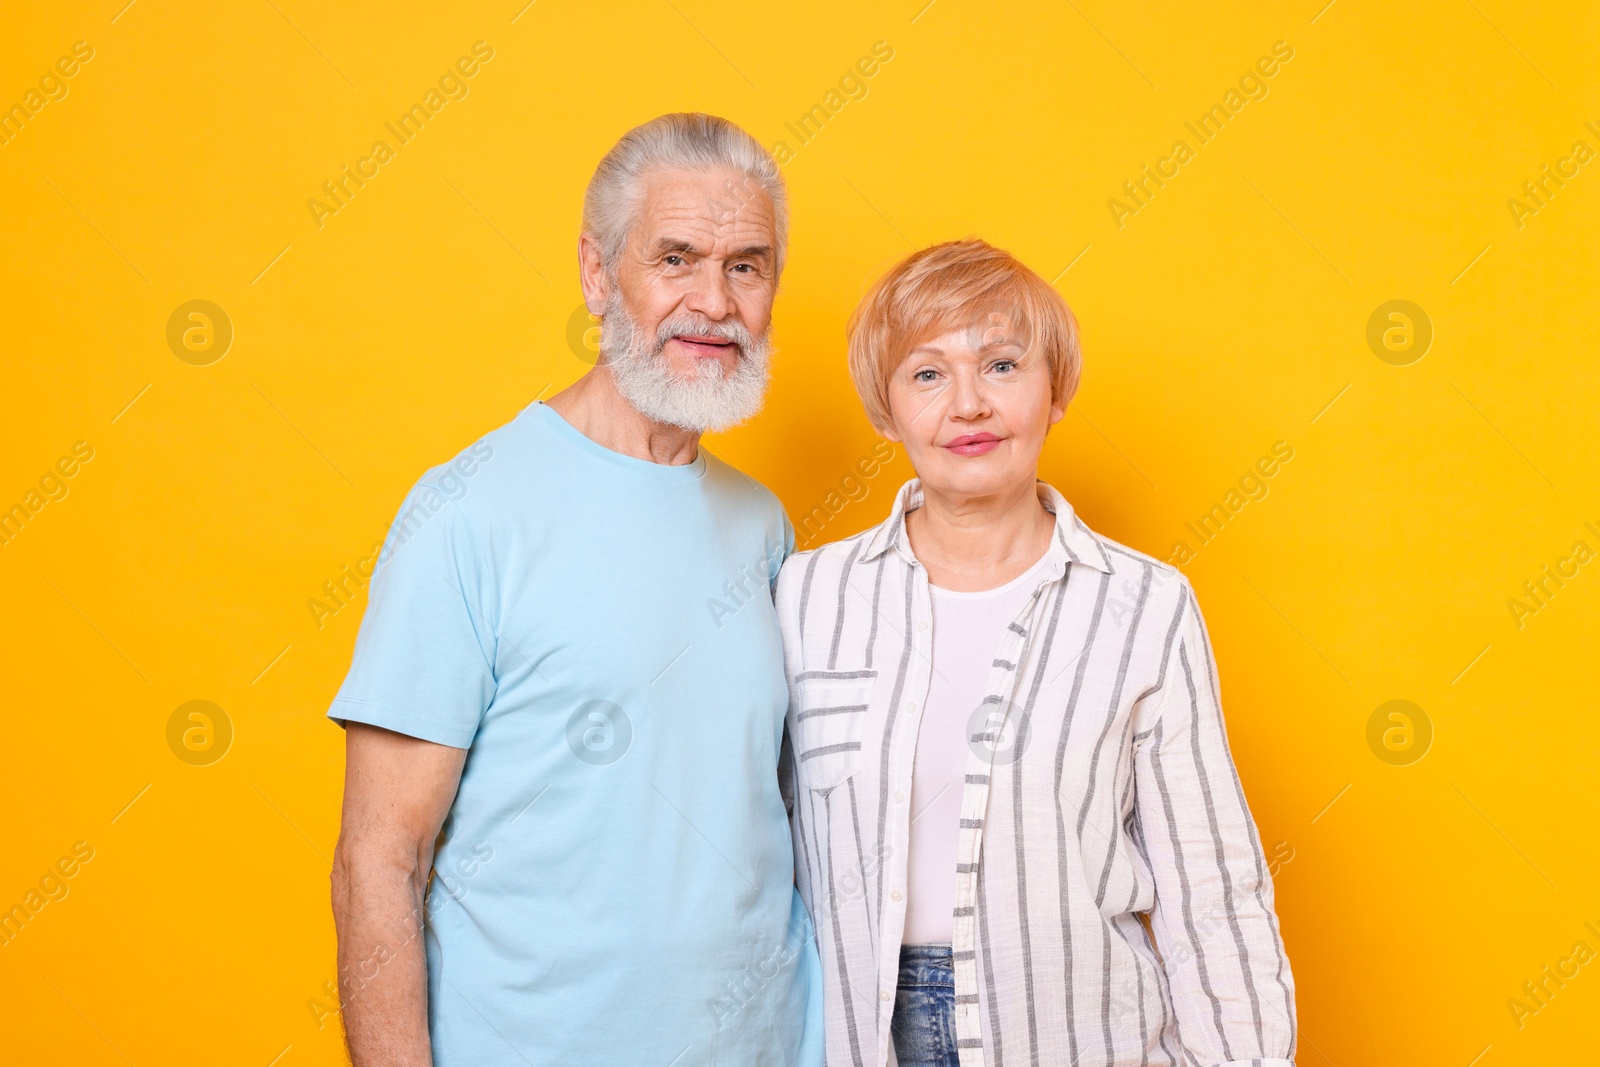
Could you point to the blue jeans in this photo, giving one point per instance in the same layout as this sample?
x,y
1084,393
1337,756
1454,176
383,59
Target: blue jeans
x,y
924,1023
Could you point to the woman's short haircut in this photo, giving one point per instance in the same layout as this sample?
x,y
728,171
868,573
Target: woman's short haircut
x,y
681,141
951,286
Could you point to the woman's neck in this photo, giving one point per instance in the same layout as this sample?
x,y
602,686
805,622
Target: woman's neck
x,y
969,544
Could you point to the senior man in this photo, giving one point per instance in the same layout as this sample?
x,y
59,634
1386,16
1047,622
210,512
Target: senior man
x,y
542,713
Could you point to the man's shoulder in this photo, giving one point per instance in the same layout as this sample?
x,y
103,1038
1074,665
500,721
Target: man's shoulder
x,y
453,494
736,482
745,497
481,471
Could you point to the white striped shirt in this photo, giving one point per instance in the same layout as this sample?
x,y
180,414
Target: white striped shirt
x,y
1100,787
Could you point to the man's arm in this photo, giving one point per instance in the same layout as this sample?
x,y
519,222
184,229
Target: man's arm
x,y
397,791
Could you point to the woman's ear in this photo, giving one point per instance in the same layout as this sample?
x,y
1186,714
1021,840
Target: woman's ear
x,y
1057,412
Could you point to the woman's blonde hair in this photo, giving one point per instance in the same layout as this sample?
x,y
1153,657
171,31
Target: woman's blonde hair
x,y
949,286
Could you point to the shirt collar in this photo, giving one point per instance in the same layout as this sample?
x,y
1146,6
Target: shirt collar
x,y
1073,541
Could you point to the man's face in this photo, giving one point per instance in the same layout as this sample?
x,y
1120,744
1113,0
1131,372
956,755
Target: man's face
x,y
689,305
704,248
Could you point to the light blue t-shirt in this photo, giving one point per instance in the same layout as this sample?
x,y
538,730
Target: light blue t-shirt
x,y
616,882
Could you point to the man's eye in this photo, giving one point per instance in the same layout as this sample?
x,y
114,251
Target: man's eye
x,y
673,260
744,268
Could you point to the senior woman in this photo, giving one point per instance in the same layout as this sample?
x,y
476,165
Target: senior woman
x,y
1017,825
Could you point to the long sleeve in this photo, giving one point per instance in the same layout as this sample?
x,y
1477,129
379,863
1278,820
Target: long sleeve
x,y
1231,984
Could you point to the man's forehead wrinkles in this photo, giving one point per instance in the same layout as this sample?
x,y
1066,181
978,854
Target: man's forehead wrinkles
x,y
699,221
709,213
666,232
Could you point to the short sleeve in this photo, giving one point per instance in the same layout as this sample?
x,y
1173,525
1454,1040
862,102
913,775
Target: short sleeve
x,y
425,652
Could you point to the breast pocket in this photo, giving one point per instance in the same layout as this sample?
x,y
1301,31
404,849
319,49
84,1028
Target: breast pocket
x,y
826,725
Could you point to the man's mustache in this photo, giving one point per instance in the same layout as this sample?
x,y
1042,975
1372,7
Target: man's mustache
x,y
693,327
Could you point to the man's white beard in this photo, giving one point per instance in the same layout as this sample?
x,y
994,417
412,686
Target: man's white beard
x,y
705,402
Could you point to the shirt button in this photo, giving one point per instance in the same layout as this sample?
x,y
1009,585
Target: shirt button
x,y
895,895
911,705
899,797
885,995
923,625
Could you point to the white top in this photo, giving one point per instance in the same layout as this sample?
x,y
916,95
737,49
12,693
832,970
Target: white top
x,y
1122,803
967,628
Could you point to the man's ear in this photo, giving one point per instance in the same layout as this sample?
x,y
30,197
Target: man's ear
x,y
592,274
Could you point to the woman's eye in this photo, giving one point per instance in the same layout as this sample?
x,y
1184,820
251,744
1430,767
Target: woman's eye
x,y
1004,366
925,375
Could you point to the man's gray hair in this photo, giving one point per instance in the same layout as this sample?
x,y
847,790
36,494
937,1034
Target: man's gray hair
x,y
680,141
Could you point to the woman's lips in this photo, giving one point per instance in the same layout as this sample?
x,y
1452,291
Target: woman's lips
x,y
974,444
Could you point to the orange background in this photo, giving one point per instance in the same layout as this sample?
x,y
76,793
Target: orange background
x,y
1228,313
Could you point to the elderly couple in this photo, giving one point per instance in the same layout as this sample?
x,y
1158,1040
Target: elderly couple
x,y
955,790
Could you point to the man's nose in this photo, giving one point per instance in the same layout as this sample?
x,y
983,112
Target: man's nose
x,y
711,294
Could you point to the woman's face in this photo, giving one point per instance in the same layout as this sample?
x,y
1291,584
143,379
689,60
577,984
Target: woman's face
x,y
971,407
